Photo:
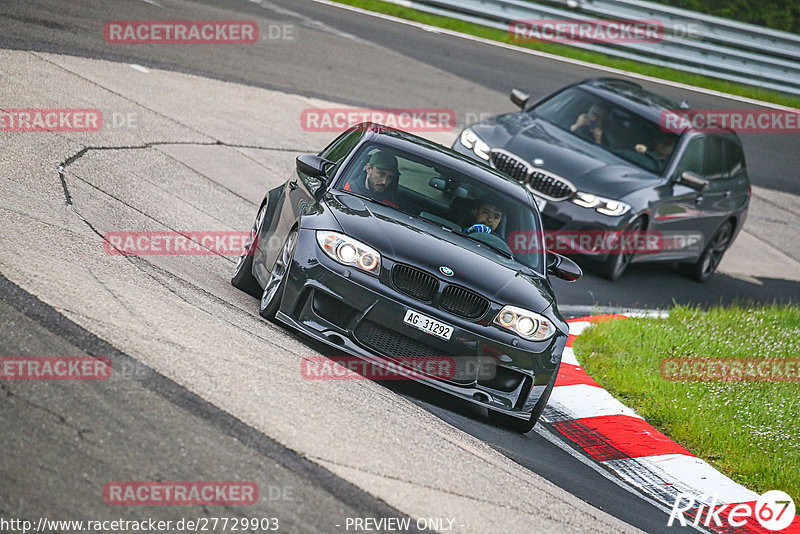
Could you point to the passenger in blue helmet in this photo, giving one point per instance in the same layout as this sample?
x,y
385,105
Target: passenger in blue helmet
x,y
486,216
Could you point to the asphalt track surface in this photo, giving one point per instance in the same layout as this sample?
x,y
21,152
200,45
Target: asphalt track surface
x,y
356,60
346,57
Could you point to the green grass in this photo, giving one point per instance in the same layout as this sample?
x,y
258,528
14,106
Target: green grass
x,y
576,53
749,430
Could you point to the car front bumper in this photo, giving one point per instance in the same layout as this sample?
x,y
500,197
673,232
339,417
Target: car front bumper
x,y
362,315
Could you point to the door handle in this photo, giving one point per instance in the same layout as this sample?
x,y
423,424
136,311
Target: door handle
x,y
293,185
727,193
698,199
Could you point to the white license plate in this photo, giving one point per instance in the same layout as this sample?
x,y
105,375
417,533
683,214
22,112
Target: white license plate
x,y
428,325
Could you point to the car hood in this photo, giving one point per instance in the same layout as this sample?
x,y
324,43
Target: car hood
x,y
406,239
590,168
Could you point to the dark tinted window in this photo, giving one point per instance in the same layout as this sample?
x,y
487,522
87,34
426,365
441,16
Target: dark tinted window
x,y
342,145
692,158
734,158
714,166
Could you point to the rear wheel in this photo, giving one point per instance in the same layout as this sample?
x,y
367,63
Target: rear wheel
x,y
712,255
619,260
273,290
243,273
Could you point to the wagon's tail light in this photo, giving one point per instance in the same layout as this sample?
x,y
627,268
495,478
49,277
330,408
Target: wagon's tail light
x,y
348,251
524,323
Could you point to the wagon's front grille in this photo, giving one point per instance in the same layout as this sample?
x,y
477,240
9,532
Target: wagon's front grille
x,y
463,302
510,165
543,182
414,282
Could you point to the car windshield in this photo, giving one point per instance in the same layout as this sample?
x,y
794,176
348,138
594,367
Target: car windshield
x,y
480,216
618,130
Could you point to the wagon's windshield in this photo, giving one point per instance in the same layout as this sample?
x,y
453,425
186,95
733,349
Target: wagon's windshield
x,y
481,216
625,134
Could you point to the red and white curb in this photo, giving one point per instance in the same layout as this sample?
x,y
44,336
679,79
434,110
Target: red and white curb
x,y
620,440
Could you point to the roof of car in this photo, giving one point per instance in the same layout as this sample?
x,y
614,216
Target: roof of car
x,y
630,95
444,156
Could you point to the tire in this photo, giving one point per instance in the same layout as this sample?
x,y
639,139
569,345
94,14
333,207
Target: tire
x,y
524,426
617,263
709,260
243,278
276,284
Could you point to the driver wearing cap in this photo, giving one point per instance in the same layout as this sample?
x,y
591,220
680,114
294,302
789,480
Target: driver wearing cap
x,y
379,179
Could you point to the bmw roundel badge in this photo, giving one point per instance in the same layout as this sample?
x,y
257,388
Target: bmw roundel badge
x,y
447,271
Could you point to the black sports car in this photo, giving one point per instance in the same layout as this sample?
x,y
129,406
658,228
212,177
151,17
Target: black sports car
x,y
597,159
387,246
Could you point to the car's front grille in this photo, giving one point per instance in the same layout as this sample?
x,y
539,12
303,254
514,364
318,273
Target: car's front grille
x,y
414,282
400,348
540,181
510,165
463,302
550,185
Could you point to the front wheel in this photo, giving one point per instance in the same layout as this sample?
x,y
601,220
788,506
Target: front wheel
x,y
619,260
712,255
243,274
273,290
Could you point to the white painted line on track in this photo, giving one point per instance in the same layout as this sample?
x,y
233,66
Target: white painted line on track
x,y
579,401
612,70
551,436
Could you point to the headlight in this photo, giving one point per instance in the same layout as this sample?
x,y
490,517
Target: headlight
x,y
606,206
524,323
471,140
348,251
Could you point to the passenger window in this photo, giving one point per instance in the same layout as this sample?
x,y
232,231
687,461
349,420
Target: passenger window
x,y
714,165
692,158
734,159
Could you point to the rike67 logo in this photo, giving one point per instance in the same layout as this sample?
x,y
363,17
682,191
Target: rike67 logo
x,y
774,510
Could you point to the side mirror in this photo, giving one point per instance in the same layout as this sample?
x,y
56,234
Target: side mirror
x,y
520,98
563,267
312,165
690,179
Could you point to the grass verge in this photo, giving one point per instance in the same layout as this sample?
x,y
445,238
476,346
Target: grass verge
x,y
576,53
749,430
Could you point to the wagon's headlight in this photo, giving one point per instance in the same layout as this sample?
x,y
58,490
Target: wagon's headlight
x,y
478,146
524,323
348,251
606,206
